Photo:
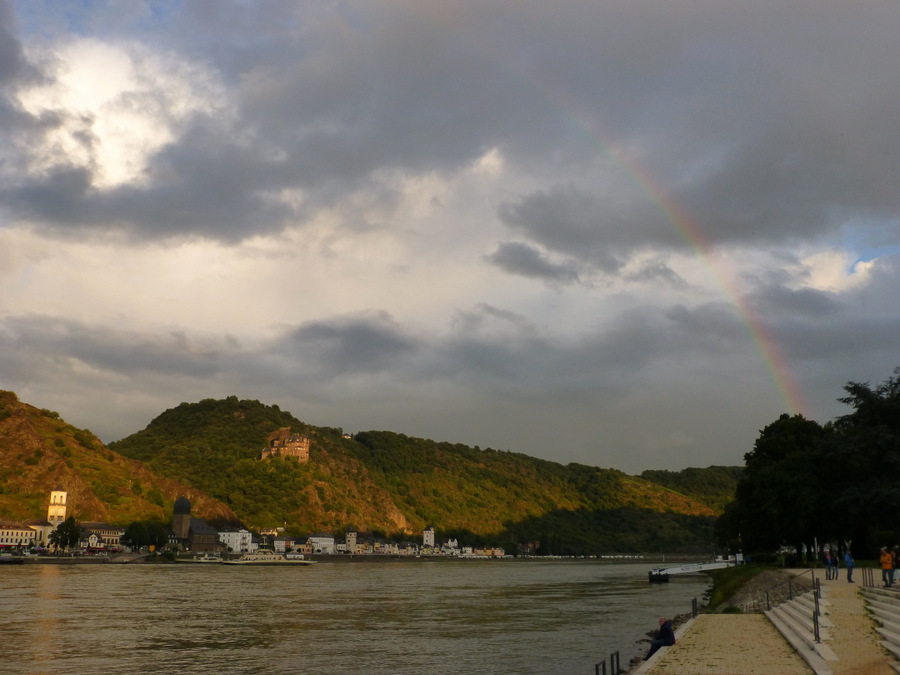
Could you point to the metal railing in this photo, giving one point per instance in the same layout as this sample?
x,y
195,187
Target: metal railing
x,y
614,669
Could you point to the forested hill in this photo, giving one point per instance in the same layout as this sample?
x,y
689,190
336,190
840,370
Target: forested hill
x,y
714,485
389,483
40,451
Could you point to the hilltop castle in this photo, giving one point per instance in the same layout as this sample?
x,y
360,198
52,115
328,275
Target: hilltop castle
x,y
283,443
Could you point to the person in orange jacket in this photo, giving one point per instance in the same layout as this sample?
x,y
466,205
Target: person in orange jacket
x,y
887,567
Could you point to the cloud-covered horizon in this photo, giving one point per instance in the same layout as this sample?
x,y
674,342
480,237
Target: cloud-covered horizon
x,y
613,233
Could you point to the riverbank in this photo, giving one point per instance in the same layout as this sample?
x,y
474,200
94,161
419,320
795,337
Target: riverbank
x,y
735,591
741,639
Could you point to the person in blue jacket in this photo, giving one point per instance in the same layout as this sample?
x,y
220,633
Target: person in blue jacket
x,y
848,563
665,637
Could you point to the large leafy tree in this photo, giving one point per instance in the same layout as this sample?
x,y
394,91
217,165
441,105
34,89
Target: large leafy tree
x,y
864,458
145,533
66,535
839,482
779,497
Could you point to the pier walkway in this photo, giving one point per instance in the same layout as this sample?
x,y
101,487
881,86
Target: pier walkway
x,y
747,644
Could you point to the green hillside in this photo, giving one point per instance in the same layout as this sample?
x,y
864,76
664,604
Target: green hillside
x,y
714,485
390,483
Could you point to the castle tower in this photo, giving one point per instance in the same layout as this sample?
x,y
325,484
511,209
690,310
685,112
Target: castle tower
x,y
350,538
56,512
181,518
428,536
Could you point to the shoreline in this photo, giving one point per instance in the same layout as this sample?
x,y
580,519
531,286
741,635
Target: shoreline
x,y
147,559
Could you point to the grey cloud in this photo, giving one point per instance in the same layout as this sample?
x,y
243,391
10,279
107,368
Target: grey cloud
x,y
589,228
793,303
657,271
527,261
10,48
36,346
753,149
349,346
485,315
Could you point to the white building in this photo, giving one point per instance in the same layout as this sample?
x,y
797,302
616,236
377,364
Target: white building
x,y
428,537
237,540
322,543
16,535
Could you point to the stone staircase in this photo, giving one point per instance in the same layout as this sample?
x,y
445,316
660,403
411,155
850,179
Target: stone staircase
x,y
794,620
884,606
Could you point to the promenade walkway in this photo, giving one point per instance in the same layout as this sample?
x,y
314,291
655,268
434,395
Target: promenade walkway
x,y
747,644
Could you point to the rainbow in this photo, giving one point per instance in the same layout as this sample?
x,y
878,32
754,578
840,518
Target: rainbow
x,y
778,369
772,357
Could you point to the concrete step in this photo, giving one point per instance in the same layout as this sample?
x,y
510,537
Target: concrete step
x,y
890,624
808,600
889,635
803,616
889,594
890,646
804,632
807,650
884,598
887,611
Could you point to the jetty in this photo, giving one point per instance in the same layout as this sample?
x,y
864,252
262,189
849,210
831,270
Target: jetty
x,y
662,574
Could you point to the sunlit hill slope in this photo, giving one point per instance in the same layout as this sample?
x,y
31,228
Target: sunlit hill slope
x,y
39,451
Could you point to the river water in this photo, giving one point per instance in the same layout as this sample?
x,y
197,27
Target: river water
x,y
505,616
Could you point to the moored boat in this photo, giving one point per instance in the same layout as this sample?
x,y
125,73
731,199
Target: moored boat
x,y
267,557
202,559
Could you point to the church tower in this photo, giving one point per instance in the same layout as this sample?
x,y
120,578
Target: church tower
x,y
56,512
181,518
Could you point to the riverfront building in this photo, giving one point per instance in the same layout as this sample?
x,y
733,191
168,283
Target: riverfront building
x,y
16,535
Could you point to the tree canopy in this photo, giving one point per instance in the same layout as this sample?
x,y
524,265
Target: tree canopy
x,y
66,535
804,482
145,533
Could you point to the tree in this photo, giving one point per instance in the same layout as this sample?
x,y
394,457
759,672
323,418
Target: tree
x,y
145,533
779,499
831,483
66,535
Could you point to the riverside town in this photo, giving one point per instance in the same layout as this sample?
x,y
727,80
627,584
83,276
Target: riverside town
x,y
190,537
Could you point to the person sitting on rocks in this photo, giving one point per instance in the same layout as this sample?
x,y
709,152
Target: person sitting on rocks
x,y
665,637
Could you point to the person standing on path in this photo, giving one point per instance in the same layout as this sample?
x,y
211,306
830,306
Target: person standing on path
x,y
848,563
887,567
829,565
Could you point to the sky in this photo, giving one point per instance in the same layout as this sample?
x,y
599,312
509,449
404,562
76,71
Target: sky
x,y
626,233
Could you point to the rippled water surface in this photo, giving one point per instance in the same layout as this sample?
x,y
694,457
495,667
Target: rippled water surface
x,y
410,617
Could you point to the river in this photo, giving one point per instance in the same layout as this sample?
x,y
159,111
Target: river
x,y
505,616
